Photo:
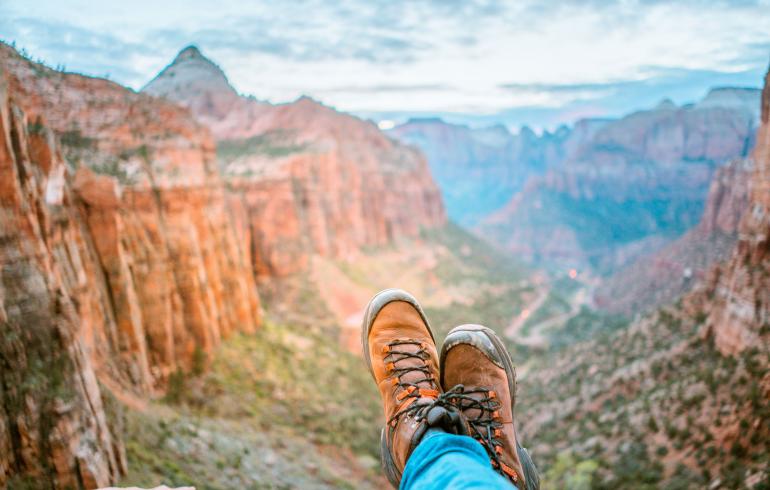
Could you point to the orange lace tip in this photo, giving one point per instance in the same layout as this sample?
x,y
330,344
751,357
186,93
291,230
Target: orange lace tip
x,y
499,449
492,394
495,414
498,433
406,404
510,472
394,381
405,393
385,349
390,366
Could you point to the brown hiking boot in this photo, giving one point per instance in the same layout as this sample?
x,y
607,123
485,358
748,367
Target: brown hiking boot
x,y
400,352
479,378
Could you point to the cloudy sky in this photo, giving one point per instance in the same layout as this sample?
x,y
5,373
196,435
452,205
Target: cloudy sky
x,y
540,62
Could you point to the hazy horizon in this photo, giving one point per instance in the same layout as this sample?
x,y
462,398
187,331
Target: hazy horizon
x,y
477,63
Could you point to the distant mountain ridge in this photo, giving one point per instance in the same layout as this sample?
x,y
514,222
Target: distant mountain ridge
x,y
662,277
480,169
628,189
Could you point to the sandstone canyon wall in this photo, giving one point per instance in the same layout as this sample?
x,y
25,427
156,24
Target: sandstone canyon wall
x,y
681,397
304,178
52,419
124,270
480,169
738,296
664,276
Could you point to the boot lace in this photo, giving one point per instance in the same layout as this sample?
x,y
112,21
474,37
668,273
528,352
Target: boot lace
x,y
413,390
486,426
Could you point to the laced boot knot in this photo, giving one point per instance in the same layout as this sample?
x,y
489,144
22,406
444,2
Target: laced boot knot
x,y
481,408
420,396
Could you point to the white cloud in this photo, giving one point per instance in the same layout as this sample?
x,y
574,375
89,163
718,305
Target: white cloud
x,y
461,53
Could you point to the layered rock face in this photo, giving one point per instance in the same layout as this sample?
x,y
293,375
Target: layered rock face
x,y
52,420
480,170
738,297
156,212
635,185
303,177
662,277
127,269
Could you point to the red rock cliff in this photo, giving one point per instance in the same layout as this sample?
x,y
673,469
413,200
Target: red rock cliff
x,y
126,269
126,257
740,308
154,209
52,420
664,276
306,178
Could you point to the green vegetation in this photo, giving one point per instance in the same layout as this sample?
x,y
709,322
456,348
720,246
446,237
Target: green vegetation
x,y
656,380
75,139
586,325
568,473
474,258
602,223
275,144
286,390
113,168
36,127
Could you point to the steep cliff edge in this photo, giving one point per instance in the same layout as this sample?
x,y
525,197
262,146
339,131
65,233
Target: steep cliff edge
x,y
172,276
738,302
664,276
119,249
133,258
52,419
480,169
304,178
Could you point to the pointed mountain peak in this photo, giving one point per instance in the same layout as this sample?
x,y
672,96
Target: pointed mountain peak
x,y
190,75
192,56
189,53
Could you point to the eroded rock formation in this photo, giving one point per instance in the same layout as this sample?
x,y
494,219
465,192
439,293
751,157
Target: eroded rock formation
x,y
127,257
125,270
739,294
635,185
52,418
303,177
661,278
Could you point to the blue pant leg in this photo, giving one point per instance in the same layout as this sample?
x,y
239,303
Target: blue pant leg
x,y
449,462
